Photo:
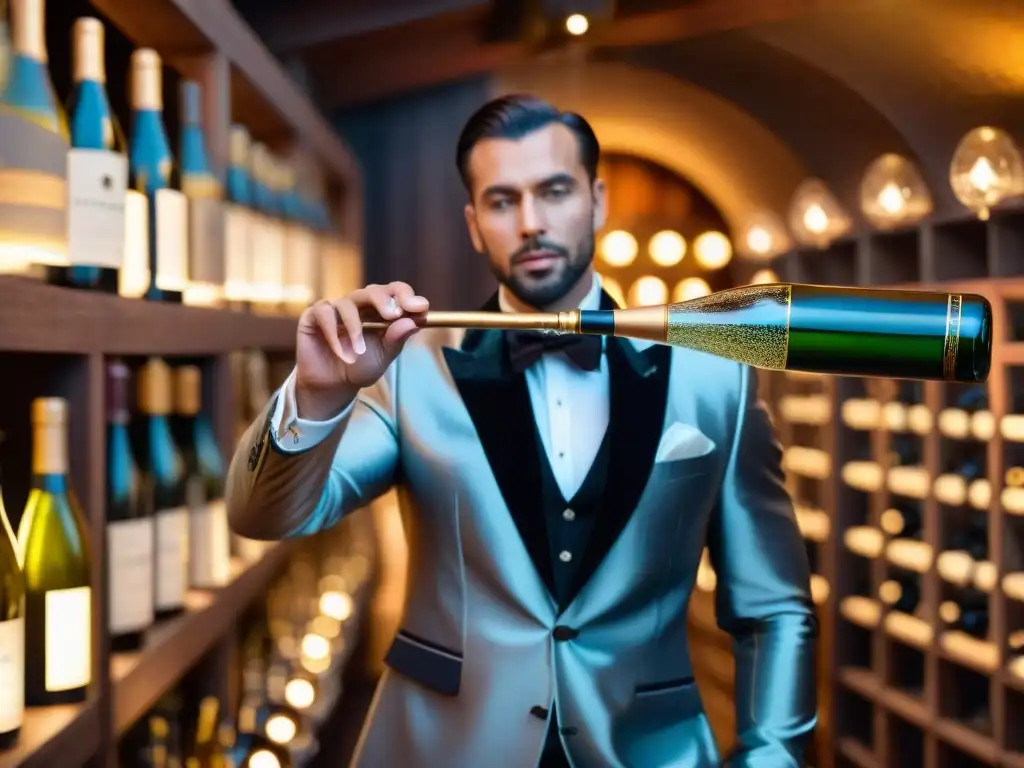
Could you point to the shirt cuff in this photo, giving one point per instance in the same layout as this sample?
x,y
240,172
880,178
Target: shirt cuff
x,y
293,434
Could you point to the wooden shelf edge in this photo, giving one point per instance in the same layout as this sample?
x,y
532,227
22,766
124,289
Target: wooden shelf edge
x,y
174,647
41,318
67,735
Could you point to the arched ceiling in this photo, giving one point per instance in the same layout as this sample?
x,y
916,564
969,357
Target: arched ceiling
x,y
735,161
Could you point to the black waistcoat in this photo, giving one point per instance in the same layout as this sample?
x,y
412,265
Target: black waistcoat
x,y
569,522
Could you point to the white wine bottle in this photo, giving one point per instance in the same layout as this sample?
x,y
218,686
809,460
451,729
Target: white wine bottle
x,y
12,635
57,562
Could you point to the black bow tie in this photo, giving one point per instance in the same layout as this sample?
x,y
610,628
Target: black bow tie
x,y
526,347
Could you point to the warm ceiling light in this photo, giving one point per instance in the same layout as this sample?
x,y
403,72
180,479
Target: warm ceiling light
x,y
815,216
613,289
712,250
892,192
577,24
763,238
618,248
986,169
690,288
648,291
763,276
666,248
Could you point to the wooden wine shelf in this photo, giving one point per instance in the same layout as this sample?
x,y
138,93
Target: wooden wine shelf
x,y
63,736
173,647
40,318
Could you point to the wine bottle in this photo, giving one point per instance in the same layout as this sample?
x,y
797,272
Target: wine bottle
x,y
57,561
972,538
238,245
209,534
97,172
903,521
205,750
252,743
12,635
969,409
33,145
867,332
268,246
150,167
906,450
130,531
160,461
966,612
901,593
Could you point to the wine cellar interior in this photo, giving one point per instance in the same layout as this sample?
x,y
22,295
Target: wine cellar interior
x,y
909,494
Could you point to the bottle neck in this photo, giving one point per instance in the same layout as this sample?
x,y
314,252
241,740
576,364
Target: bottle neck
x,y
28,29
147,89
49,449
88,65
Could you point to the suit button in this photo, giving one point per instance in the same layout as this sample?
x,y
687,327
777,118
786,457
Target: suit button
x,y
563,633
569,730
539,712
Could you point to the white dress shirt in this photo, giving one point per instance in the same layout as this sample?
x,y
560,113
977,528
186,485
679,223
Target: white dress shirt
x,y
570,408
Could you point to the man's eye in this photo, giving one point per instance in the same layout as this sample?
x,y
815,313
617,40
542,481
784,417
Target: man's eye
x,y
557,192
499,205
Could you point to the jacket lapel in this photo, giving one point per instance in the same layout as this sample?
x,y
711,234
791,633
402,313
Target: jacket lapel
x,y
498,402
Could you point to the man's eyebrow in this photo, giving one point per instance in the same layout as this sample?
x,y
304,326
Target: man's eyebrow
x,y
504,189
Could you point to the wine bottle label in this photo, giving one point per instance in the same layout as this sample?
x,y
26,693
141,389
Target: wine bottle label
x,y
206,241
172,536
133,279
130,555
171,239
237,252
12,674
267,265
300,264
68,645
209,539
97,181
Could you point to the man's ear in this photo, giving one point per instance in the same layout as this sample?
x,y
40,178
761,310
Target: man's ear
x,y
600,193
474,229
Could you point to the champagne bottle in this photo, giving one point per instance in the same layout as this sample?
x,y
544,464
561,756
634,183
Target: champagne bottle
x,y
12,635
151,165
159,459
33,145
966,612
97,172
238,246
57,561
901,593
209,535
130,533
903,521
844,331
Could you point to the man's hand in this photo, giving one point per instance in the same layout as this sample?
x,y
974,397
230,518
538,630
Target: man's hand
x,y
334,359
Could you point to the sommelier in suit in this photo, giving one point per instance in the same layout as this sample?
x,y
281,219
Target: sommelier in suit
x,y
557,494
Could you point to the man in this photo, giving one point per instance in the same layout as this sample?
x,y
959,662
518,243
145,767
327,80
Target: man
x,y
557,499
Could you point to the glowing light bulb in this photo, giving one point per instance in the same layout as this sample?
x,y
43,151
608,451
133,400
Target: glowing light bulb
x,y
315,646
618,248
759,240
337,605
577,24
712,250
648,291
815,217
281,729
892,192
764,237
263,758
986,170
300,693
690,288
764,276
666,248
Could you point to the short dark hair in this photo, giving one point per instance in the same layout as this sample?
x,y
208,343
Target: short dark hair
x,y
516,115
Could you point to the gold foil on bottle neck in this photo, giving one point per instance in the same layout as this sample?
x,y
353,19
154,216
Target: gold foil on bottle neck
x,y
258,161
87,42
28,29
154,388
147,79
238,145
187,390
49,436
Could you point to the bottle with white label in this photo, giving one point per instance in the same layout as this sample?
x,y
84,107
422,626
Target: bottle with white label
x,y
130,534
151,164
164,471
57,563
12,635
209,534
97,171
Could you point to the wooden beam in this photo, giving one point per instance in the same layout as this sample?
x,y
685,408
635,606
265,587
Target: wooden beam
x,y
388,63
312,25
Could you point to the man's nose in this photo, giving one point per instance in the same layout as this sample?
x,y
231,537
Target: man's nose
x,y
531,222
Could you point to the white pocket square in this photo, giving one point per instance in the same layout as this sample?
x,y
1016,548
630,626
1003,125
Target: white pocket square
x,y
683,441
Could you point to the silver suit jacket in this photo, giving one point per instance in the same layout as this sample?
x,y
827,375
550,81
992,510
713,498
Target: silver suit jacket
x,y
483,647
